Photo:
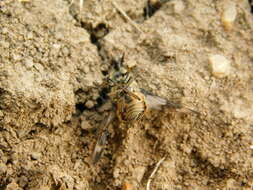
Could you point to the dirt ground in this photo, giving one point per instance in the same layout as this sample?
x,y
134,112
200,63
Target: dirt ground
x,y
54,56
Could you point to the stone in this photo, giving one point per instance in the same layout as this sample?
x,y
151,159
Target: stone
x,y
220,65
229,15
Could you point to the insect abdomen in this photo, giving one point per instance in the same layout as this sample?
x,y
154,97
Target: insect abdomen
x,y
135,110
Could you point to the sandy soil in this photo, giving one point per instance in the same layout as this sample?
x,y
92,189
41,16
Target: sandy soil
x,y
53,59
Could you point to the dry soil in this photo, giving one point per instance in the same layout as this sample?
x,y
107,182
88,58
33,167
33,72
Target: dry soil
x,y
54,56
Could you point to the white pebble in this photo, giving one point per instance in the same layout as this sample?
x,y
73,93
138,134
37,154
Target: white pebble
x,y
220,65
89,104
131,64
5,30
36,155
178,6
16,57
116,173
229,15
28,62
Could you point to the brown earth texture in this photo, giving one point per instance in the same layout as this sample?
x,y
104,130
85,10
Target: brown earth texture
x,y
54,57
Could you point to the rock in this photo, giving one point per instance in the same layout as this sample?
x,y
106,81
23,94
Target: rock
x,y
4,30
178,6
41,187
1,113
86,125
240,108
229,15
105,107
16,57
36,155
81,185
116,173
3,168
28,62
232,184
12,186
89,104
139,173
69,181
23,181
220,65
5,44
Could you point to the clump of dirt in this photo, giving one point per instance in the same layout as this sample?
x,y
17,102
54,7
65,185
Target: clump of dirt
x,y
53,59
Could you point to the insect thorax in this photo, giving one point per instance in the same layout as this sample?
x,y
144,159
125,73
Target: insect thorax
x,y
119,79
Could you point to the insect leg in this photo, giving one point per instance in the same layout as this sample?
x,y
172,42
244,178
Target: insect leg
x,y
102,137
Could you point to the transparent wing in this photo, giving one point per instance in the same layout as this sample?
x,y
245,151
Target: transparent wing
x,y
102,138
158,103
98,150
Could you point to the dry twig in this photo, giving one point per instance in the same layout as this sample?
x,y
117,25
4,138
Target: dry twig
x,y
126,17
153,173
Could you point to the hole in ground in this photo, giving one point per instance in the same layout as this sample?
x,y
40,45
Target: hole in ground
x,y
152,6
103,97
81,107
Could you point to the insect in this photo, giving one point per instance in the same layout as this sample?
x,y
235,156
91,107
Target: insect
x,y
130,103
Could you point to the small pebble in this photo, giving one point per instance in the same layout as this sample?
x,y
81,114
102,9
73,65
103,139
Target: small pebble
x,y
178,6
35,155
28,62
116,173
4,30
12,186
65,51
131,64
105,107
69,181
5,44
230,183
39,67
229,15
220,65
80,185
1,113
56,46
86,125
16,57
139,173
89,104
86,69
23,181
3,168
30,35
